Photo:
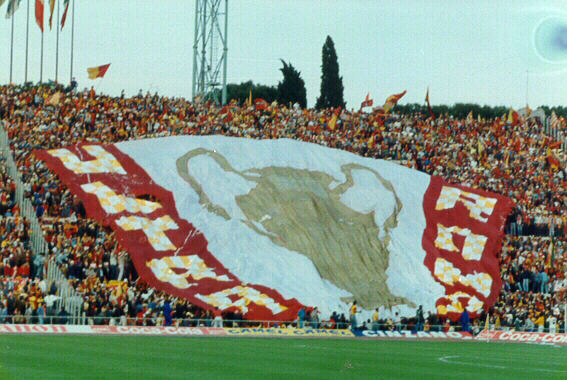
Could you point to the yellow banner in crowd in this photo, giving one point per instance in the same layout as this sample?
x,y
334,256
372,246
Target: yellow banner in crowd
x,y
287,332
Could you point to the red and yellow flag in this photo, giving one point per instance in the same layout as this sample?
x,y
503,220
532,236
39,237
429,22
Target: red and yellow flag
x,y
333,121
553,162
367,102
51,8
98,71
372,141
66,5
54,99
392,100
514,118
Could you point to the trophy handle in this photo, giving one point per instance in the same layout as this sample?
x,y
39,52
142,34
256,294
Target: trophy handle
x,y
347,169
182,165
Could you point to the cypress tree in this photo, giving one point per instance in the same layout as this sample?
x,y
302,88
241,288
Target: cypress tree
x,y
292,87
331,83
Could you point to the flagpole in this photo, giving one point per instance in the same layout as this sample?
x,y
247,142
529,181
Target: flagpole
x,y
99,83
72,40
27,41
41,60
527,79
12,49
57,44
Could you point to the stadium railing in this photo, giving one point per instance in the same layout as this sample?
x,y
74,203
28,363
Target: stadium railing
x,y
188,322
229,323
69,297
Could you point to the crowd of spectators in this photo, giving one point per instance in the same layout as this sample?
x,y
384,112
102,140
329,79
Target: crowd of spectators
x,y
518,160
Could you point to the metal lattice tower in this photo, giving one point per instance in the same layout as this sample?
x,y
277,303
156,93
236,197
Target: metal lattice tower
x,y
210,49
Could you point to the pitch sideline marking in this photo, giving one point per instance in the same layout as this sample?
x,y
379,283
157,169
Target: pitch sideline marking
x,y
446,359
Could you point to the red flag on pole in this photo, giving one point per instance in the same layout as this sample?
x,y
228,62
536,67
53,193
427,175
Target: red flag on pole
x,y
39,14
66,5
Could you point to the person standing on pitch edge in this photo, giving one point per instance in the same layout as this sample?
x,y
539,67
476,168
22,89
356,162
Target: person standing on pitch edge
x,y
353,311
419,319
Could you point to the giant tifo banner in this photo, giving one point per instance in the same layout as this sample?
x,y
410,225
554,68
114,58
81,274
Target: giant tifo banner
x,y
270,226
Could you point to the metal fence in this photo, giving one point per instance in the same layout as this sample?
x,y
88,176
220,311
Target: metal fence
x,y
194,322
135,321
199,322
69,297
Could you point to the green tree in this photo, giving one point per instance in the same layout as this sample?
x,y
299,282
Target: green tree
x,y
560,111
292,88
241,92
331,83
457,110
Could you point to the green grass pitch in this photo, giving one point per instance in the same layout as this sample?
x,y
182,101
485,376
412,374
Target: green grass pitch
x,y
108,357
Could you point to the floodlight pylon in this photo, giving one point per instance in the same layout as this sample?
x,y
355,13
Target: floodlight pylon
x,y
210,50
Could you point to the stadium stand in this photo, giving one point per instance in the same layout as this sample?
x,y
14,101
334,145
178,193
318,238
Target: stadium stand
x,y
519,161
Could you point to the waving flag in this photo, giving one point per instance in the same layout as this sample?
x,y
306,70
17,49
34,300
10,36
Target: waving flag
x,y
367,102
51,8
269,226
514,118
66,5
12,7
553,162
261,104
431,114
39,13
98,71
333,121
54,99
392,100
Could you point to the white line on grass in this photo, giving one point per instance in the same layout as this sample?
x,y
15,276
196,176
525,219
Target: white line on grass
x,y
448,359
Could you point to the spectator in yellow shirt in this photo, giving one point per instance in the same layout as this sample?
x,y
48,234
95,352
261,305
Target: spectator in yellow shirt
x,y
353,311
540,322
375,317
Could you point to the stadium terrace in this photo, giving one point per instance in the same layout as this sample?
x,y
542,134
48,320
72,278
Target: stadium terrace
x,y
84,275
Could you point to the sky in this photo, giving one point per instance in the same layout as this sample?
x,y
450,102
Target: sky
x,y
464,51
